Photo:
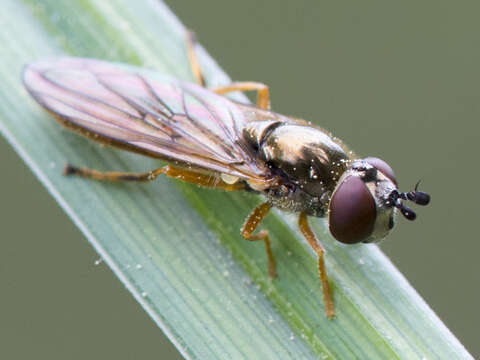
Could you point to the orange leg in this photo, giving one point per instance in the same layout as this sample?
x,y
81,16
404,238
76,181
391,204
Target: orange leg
x,y
192,57
190,176
318,248
263,91
255,218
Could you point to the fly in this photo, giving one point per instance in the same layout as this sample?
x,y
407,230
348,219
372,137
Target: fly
x,y
218,143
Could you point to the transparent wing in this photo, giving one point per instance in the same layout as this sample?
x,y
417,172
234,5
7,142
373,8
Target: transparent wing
x,y
145,112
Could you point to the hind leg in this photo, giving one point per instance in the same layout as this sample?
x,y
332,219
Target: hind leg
x,y
190,176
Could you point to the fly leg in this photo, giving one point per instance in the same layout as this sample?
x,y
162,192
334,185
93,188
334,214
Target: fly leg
x,y
189,176
318,248
192,57
254,219
263,91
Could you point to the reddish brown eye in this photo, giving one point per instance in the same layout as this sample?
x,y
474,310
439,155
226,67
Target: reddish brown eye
x,y
352,212
383,167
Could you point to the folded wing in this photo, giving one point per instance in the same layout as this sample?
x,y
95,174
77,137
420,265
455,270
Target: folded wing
x,y
145,112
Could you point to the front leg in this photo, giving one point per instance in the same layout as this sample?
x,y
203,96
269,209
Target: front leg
x,y
318,248
255,218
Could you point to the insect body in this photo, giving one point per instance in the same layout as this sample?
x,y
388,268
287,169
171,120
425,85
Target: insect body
x,y
218,143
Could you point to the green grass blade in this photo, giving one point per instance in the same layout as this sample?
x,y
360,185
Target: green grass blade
x,y
177,248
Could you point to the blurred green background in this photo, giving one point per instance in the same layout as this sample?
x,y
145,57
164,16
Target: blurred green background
x,y
397,80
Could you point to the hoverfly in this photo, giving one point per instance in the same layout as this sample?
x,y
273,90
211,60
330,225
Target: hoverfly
x,y
215,142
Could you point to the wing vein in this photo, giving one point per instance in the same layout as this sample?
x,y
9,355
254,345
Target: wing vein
x,y
88,97
149,113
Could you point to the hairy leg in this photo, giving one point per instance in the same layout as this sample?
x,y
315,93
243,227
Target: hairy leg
x,y
254,219
318,248
189,176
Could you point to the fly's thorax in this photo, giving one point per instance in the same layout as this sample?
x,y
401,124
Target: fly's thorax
x,y
294,199
360,209
306,156
307,159
256,131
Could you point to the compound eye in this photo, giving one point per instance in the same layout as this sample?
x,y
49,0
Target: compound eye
x,y
352,211
383,167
